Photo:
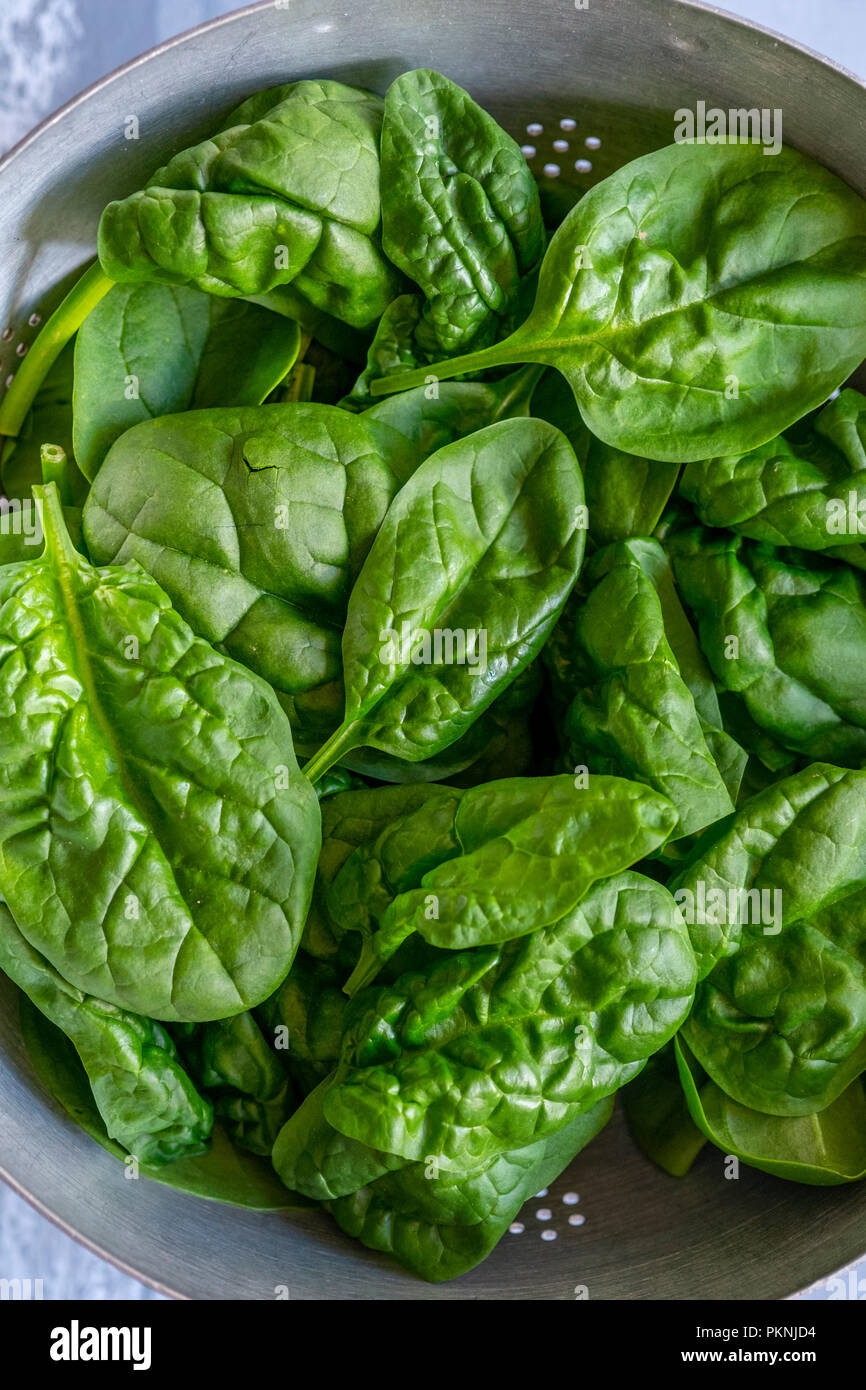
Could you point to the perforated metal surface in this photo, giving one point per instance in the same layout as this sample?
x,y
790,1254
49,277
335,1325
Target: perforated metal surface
x,y
617,70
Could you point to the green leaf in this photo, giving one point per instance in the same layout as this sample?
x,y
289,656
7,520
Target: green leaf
x,y
286,193
256,522
145,1099
625,494
821,1150
633,712
234,1065
781,1024
798,846
223,1174
484,542
413,425
152,806
442,1226
808,492
786,631
523,853
494,1049
692,268
148,350
460,208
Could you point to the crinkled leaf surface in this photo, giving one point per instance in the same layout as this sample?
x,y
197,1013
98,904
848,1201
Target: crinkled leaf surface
x,y
497,1048
688,270
157,841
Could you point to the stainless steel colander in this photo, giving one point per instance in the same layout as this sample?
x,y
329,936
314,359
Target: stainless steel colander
x,y
584,85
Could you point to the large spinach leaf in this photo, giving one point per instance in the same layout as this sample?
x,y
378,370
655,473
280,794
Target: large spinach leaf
x,y
791,851
148,350
780,1025
460,208
481,548
152,808
695,302
821,1150
256,523
285,193
498,1047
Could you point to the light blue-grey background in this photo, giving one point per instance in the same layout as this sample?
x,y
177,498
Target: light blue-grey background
x,y
49,51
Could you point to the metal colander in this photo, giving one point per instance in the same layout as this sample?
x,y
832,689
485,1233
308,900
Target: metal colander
x,y
588,85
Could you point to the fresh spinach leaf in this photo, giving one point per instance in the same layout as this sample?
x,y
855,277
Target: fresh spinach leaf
x,y
152,805
625,495
632,712
692,271
304,1018
285,193
222,1174
460,207
442,1227
808,492
780,1025
149,349
822,1150
413,425
145,1099
428,1064
789,853
482,545
786,631
256,522
498,862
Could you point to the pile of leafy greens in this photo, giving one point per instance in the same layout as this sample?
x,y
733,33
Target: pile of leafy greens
x,y
433,669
